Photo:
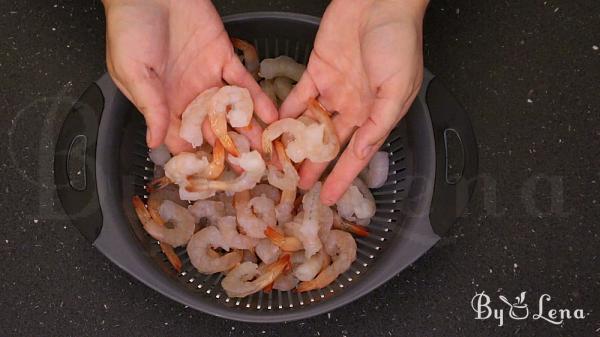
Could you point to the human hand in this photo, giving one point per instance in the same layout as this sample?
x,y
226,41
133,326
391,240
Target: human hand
x,y
367,65
162,54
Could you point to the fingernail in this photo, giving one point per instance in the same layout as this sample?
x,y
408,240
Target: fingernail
x,y
148,137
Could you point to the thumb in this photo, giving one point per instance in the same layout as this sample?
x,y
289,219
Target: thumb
x,y
297,101
148,95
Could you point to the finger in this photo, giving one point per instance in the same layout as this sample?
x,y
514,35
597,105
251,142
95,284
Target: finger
x,y
386,112
235,73
311,172
148,95
297,101
174,142
346,169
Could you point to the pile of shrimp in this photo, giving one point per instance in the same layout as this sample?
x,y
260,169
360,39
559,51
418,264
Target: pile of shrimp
x,y
236,206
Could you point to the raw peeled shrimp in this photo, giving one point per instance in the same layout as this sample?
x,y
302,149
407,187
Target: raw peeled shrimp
x,y
254,215
169,192
210,210
179,168
227,201
288,179
357,202
281,66
249,256
217,164
253,166
267,251
341,224
285,207
204,258
250,55
160,155
182,220
183,165
241,143
304,139
308,231
309,268
154,201
269,89
193,116
231,237
327,143
235,103
294,128
282,86
285,243
342,249
218,125
375,175
245,279
267,190
285,282
325,222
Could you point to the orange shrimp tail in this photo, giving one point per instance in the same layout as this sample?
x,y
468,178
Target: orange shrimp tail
x,y
139,206
283,263
171,256
269,287
306,286
166,248
217,166
318,108
248,50
353,228
229,145
157,184
277,238
358,230
280,149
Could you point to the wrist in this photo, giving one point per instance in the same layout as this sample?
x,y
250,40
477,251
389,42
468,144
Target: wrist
x,y
109,3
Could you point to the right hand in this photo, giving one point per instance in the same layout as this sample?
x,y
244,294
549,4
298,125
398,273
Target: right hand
x,y
161,54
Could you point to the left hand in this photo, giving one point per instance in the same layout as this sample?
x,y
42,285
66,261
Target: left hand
x,y
367,65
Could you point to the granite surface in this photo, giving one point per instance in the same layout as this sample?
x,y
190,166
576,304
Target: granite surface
x,y
526,71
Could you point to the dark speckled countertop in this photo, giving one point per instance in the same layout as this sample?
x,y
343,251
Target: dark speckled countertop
x,y
527,72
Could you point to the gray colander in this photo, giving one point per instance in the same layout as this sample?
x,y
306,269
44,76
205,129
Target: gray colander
x,y
101,161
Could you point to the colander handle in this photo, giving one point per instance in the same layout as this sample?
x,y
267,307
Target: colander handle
x,y
75,163
452,192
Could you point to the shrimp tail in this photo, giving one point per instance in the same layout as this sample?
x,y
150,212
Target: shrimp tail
x,y
250,55
173,258
157,184
353,228
269,287
217,166
318,108
306,286
276,269
217,123
277,238
146,215
229,145
288,244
